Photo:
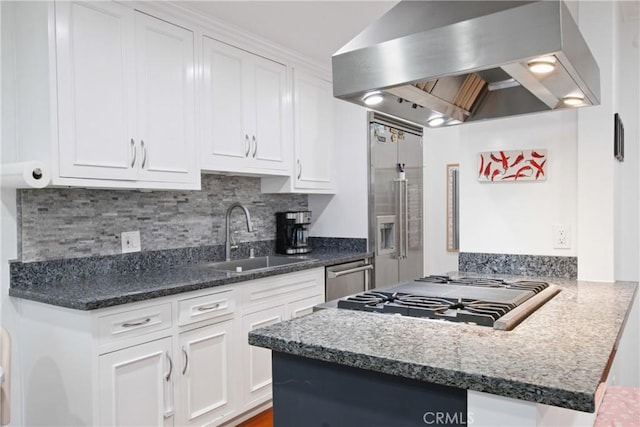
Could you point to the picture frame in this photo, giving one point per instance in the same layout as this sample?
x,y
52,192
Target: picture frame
x,y
453,207
618,138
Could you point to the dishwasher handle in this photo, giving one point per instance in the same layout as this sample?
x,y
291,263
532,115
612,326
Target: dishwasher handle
x,y
334,274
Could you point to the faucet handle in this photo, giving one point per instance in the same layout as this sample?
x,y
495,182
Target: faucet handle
x,y
233,245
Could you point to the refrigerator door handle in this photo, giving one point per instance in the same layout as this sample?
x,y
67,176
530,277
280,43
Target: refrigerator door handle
x,y
405,221
402,216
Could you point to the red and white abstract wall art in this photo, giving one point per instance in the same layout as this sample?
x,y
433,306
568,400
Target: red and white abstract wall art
x,y
512,166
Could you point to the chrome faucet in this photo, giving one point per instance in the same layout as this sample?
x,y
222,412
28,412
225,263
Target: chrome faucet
x,y
227,243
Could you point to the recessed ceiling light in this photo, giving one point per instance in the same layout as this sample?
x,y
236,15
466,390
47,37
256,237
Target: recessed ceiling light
x,y
542,65
372,98
435,122
573,100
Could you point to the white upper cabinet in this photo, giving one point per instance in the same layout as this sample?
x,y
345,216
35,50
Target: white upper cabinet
x,y
313,127
166,116
120,90
244,112
313,131
96,90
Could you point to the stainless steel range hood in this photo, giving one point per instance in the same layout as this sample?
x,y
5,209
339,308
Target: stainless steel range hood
x,y
464,61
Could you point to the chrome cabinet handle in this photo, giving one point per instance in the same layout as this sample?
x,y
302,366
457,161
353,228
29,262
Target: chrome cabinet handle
x,y
134,152
255,146
186,361
169,410
138,323
144,154
299,168
209,307
168,376
247,146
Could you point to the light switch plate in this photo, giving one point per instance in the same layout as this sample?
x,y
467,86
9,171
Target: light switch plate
x,y
130,241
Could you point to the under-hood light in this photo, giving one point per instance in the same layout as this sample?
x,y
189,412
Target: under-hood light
x,y
573,100
372,98
435,122
542,65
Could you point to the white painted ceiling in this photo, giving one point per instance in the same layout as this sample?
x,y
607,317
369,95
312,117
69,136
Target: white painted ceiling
x,y
316,29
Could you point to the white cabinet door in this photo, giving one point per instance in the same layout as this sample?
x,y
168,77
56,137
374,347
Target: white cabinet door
x,y
313,131
206,390
226,133
256,361
166,105
244,112
269,146
96,90
136,385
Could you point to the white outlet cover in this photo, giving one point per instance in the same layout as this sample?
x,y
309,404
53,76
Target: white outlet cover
x,y
130,241
561,237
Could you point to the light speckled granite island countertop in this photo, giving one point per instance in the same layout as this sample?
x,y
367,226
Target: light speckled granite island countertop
x,y
557,356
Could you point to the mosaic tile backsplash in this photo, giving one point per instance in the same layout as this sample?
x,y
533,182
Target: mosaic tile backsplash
x,y
58,223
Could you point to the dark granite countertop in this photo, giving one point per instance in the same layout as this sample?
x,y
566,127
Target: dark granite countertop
x,y
93,291
557,356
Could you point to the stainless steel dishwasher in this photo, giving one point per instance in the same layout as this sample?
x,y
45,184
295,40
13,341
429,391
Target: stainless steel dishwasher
x,y
347,279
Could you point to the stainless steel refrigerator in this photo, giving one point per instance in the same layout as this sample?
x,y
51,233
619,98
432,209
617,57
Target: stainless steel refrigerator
x,y
395,200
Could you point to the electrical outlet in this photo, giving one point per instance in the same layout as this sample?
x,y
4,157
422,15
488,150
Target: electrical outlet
x,y
561,238
130,241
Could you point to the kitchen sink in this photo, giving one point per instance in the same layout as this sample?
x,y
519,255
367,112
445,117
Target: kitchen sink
x,y
257,263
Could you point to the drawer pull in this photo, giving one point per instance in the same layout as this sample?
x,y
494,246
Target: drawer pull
x,y
209,307
138,323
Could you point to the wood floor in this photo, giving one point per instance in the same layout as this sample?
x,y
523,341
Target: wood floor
x,y
263,419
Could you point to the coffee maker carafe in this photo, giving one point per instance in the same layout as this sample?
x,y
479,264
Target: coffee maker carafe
x,y
292,234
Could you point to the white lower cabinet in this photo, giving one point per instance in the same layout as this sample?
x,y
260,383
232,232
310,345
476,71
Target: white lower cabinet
x,y
180,360
266,302
256,375
205,387
136,385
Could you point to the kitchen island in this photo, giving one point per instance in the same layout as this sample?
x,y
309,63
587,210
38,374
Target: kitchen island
x,y
559,357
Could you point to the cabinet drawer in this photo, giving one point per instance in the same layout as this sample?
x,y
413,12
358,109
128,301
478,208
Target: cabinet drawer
x,y
133,323
205,307
285,287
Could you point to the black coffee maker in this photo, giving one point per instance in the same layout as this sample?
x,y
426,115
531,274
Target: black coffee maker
x,y
292,234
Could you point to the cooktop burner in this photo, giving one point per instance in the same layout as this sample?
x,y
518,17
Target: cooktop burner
x,y
480,301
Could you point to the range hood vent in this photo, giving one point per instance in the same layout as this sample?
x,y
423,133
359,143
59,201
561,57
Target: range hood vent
x,y
464,61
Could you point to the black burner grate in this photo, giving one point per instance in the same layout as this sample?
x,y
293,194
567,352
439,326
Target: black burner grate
x,y
453,309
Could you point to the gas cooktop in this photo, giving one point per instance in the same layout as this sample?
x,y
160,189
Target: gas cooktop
x,y
481,301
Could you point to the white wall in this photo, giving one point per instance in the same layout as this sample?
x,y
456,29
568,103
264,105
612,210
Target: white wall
x,y
627,177
595,153
626,369
8,213
345,213
517,218
441,147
